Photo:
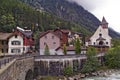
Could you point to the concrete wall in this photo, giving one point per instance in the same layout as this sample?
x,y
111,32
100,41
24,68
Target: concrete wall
x,y
55,65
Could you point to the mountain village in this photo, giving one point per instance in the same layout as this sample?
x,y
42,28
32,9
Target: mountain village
x,y
21,41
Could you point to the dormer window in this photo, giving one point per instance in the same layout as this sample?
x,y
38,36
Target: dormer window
x,y
100,35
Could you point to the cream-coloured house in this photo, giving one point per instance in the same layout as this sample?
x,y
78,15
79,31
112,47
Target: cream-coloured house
x,y
100,39
15,45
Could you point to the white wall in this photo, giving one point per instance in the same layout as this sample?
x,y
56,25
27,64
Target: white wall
x,y
11,46
105,35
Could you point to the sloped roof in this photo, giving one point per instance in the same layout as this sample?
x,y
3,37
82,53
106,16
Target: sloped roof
x,y
53,32
44,33
104,21
27,33
100,38
62,30
70,48
5,36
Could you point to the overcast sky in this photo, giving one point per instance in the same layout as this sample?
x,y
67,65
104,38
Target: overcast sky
x,y
110,9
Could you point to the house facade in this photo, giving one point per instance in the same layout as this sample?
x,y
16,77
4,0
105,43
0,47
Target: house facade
x,y
28,41
4,39
51,39
55,40
15,45
100,39
18,42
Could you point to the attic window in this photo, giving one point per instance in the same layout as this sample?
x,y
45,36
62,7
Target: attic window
x,y
15,36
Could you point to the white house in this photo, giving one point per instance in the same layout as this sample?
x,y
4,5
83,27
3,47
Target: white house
x,y
15,45
100,38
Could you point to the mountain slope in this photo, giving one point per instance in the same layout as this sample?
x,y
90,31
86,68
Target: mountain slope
x,y
22,15
69,11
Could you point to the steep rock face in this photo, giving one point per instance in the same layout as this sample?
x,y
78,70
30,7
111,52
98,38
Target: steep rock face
x,y
69,11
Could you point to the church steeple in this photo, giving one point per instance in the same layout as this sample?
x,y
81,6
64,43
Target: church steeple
x,y
104,23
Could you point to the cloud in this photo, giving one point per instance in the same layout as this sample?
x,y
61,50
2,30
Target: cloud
x,y
90,4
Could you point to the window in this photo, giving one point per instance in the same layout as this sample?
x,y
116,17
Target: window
x,y
2,42
54,42
15,36
6,42
15,51
100,35
101,43
94,43
106,42
16,43
2,50
45,37
44,43
52,37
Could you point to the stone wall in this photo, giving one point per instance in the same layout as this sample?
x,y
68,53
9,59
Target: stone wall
x,y
17,69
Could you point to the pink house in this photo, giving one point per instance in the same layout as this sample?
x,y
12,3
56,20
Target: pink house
x,y
55,40
51,39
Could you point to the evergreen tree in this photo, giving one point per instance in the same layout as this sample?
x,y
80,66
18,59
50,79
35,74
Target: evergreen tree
x,y
77,46
47,52
64,49
92,63
112,58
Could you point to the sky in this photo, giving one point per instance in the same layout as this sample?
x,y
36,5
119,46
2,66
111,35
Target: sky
x,y
107,8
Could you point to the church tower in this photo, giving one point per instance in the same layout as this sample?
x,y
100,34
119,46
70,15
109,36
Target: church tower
x,y
104,24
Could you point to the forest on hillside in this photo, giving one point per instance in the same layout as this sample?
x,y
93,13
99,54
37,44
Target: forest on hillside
x,y
22,15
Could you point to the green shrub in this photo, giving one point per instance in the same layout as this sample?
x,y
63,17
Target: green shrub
x,y
68,71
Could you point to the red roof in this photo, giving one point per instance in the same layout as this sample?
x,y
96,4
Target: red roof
x,y
49,31
70,48
53,32
5,36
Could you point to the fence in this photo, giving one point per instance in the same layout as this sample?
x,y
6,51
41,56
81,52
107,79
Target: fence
x,y
4,61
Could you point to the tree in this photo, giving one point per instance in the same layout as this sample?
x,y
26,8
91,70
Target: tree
x,y
64,49
112,58
77,46
46,52
115,42
7,21
92,63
